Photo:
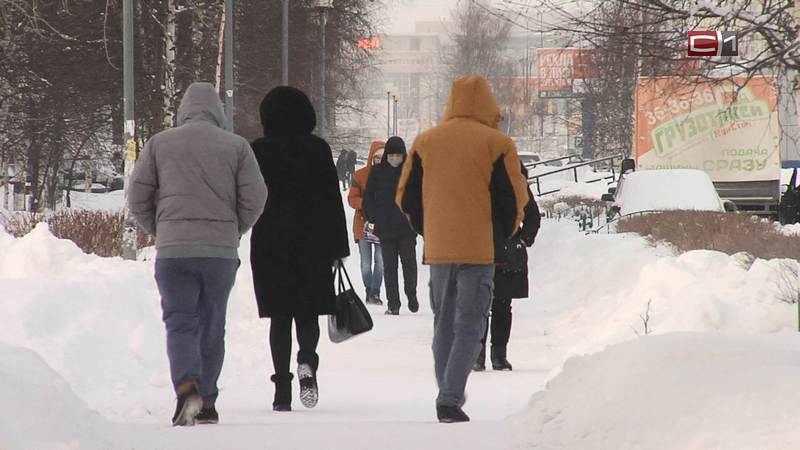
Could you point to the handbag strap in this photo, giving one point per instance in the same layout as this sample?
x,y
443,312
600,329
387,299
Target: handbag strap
x,y
340,269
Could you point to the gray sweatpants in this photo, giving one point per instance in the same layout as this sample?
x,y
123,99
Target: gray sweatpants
x,y
194,299
461,295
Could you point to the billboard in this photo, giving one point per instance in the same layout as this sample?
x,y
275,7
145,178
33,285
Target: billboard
x,y
558,68
729,131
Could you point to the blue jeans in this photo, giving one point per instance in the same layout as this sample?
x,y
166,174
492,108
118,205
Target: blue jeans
x,y
372,275
460,298
194,299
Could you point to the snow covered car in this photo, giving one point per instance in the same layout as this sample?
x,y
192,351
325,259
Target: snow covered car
x,y
666,190
528,158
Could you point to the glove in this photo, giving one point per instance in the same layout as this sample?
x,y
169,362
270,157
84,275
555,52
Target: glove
x,y
529,241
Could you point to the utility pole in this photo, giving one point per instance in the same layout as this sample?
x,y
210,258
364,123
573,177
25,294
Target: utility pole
x,y
229,64
129,227
323,6
285,44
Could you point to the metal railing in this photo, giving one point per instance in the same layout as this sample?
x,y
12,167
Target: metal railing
x,y
574,168
533,165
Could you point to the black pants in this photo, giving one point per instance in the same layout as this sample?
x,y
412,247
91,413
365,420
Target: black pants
x,y
500,323
406,249
280,342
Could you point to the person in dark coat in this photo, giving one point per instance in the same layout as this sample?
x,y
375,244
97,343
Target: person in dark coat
x,y
298,238
342,165
508,284
397,237
351,166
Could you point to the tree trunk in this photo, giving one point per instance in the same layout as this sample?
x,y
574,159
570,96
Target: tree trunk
x,y
221,48
169,65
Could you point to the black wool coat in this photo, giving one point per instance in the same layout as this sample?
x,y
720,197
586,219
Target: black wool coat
x,y
515,284
303,228
379,204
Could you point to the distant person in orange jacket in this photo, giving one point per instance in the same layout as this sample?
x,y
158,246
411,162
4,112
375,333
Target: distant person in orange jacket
x,y
369,246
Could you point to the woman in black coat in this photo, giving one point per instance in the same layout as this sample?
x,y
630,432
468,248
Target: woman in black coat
x,y
397,237
301,233
509,285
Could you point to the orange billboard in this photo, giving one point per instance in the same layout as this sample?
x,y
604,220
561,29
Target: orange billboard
x,y
557,68
728,129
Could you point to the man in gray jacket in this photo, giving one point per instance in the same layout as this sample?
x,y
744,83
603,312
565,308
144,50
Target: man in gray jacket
x,y
197,188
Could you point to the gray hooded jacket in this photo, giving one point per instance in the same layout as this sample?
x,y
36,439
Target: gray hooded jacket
x,y
197,188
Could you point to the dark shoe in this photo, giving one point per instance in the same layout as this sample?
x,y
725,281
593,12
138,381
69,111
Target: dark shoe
x,y
188,406
451,414
480,363
413,304
309,391
283,392
499,361
392,312
373,300
208,416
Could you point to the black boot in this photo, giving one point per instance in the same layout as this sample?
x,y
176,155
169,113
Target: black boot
x,y
309,390
283,392
480,363
499,361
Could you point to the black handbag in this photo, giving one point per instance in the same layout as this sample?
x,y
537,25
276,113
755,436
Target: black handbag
x,y
515,256
351,317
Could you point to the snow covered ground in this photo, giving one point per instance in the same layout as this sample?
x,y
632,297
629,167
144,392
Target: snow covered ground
x,y
82,353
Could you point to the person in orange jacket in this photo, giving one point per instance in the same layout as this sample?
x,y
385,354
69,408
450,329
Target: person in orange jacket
x,y
369,247
460,187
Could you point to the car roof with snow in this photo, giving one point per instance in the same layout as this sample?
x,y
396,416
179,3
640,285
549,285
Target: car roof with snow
x,y
665,190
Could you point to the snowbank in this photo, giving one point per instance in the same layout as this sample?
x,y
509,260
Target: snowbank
x,y
695,291
791,230
96,321
40,411
679,391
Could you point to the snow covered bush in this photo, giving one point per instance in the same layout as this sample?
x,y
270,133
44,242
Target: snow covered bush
x,y
97,232
724,232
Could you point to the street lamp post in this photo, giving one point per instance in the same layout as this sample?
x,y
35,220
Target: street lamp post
x,y
323,6
396,98
129,229
389,88
388,114
285,43
229,63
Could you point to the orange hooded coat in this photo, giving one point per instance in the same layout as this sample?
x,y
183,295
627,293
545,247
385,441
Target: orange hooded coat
x,y
461,186
356,195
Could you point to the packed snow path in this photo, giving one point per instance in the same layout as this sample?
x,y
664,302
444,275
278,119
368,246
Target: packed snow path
x,y
96,324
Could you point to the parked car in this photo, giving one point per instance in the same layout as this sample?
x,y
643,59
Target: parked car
x,y
665,190
528,158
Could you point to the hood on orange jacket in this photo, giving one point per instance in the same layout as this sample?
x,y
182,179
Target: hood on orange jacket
x,y
471,97
461,208
355,197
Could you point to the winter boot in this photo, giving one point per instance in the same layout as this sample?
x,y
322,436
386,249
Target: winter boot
x,y
208,415
392,312
413,304
188,405
283,392
373,299
480,363
451,414
499,361
309,391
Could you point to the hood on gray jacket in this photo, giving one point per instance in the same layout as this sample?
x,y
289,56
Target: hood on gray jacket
x,y
201,102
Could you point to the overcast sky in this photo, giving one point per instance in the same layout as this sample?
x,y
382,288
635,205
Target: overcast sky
x,y
403,13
